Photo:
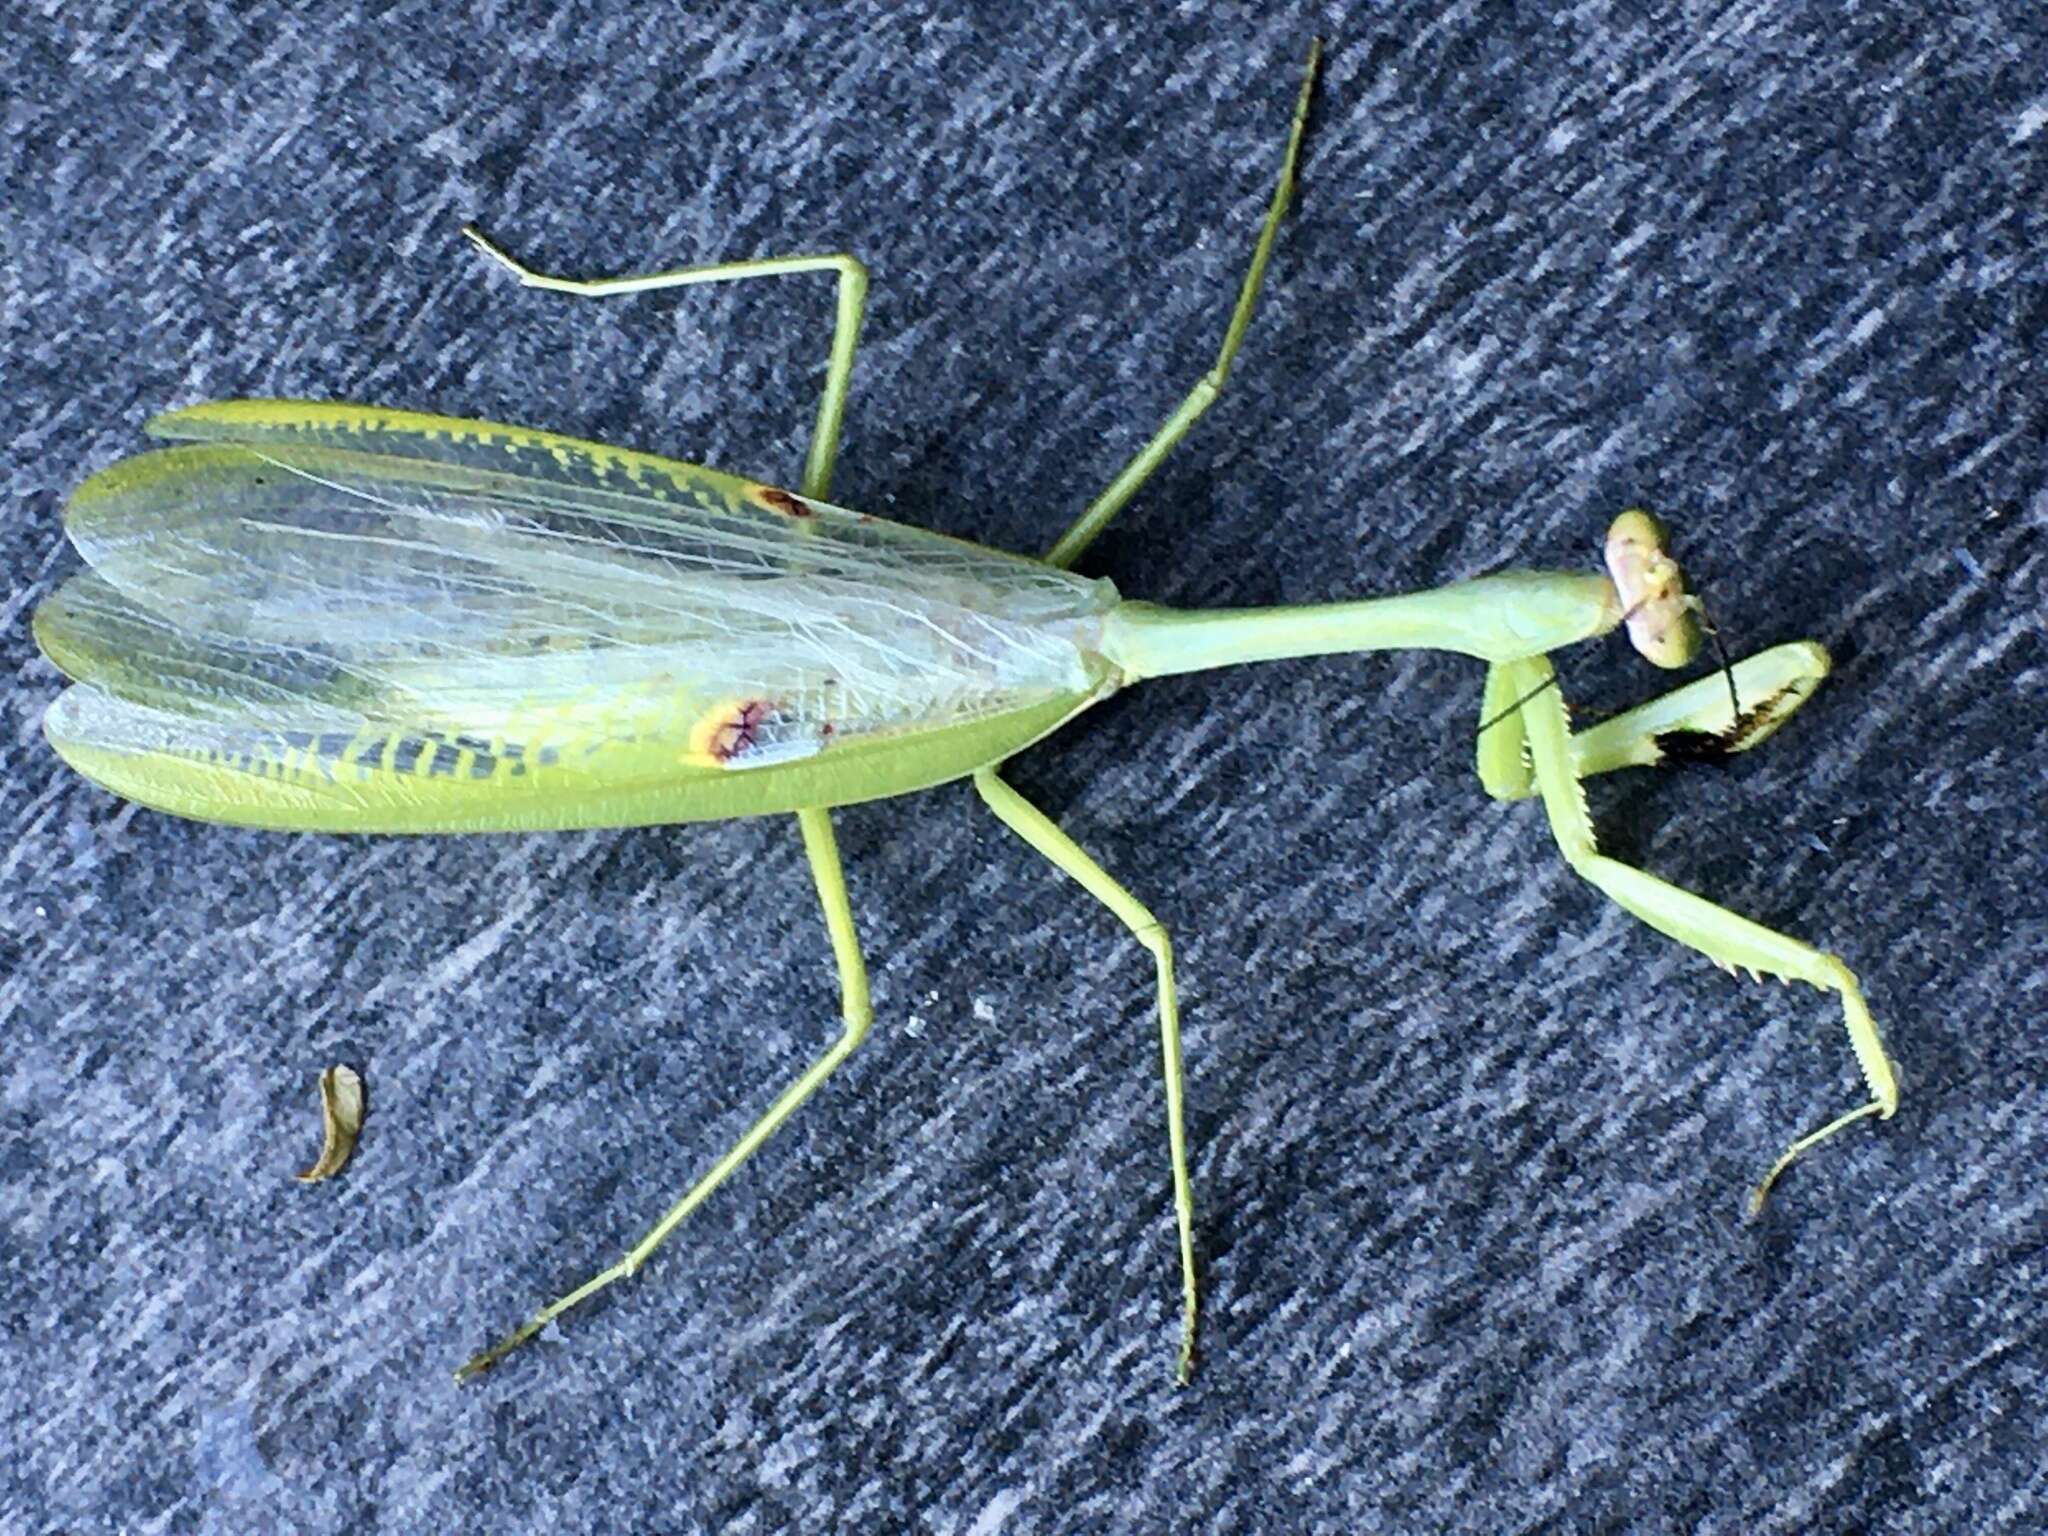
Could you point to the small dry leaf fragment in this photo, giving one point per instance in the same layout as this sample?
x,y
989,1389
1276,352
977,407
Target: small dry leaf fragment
x,y
341,1118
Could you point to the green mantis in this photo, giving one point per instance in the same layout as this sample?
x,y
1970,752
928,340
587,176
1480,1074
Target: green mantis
x,y
343,618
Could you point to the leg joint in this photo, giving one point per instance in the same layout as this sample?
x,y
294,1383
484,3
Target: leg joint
x,y
1586,859
858,1016
1835,973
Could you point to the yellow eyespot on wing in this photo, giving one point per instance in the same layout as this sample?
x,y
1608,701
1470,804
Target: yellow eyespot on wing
x,y
754,733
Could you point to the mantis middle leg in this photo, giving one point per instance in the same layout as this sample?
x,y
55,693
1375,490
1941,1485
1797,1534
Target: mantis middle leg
x,y
855,1013
1095,517
1042,833
1722,936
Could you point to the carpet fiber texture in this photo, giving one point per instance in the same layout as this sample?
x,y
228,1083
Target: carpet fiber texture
x,y
1470,1145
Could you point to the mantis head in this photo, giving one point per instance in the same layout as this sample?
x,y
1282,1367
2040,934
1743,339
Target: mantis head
x,y
1662,618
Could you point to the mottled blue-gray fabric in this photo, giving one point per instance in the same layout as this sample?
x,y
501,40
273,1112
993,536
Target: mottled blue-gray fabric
x,y
1470,1146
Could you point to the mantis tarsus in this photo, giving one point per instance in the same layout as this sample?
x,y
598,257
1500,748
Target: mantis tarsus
x,y
341,618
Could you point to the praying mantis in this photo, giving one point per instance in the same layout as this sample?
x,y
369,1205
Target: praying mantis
x,y
343,618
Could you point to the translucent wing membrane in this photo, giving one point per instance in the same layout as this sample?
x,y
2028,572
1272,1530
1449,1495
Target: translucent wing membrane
x,y
339,617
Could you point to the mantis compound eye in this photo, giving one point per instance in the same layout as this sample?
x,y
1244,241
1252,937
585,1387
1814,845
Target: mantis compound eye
x,y
1662,620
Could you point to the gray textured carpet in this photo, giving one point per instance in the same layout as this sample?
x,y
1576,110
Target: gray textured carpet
x,y
1470,1145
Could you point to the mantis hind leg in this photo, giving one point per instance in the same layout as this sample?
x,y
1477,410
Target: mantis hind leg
x,y
1095,517
856,1016
1042,833
852,302
1722,936
1690,724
